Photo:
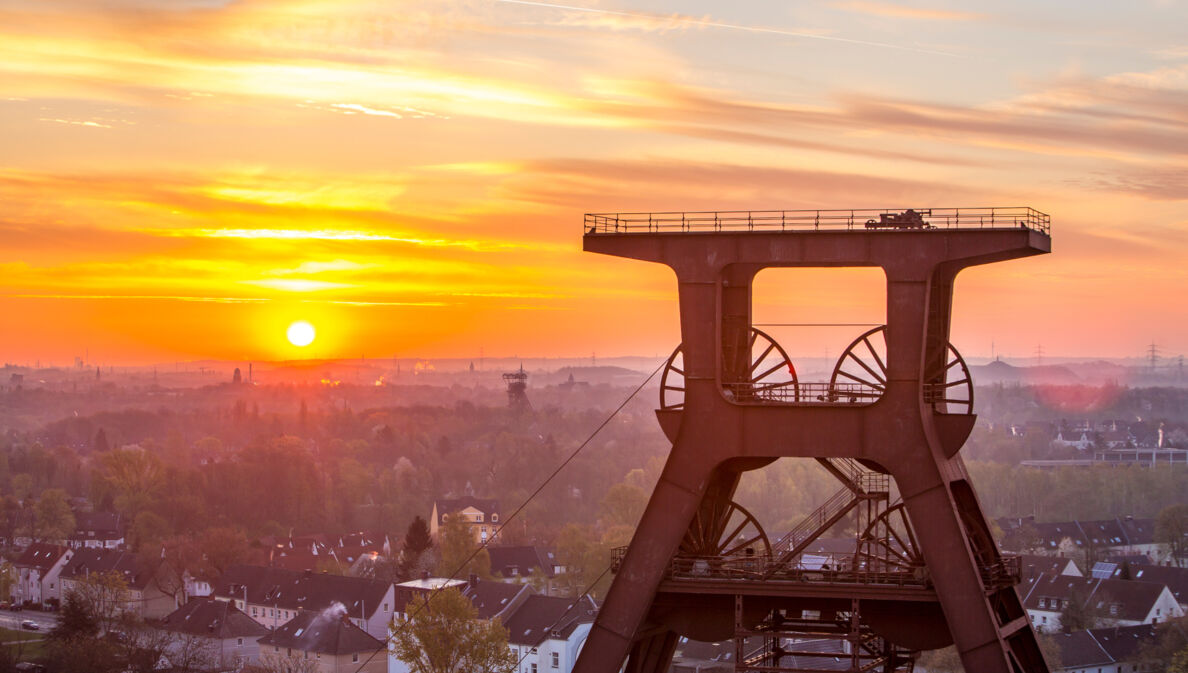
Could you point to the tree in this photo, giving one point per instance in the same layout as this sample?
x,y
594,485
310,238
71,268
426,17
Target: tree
x,y
8,578
74,644
1171,529
147,528
224,547
623,505
275,662
458,550
104,596
1081,613
443,634
417,543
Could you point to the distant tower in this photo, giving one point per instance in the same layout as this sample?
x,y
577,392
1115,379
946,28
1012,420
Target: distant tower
x,y
237,377
517,390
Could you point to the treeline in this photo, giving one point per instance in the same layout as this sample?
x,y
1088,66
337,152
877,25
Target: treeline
x,y
1085,493
326,468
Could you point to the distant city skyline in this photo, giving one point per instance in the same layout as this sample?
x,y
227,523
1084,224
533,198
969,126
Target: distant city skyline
x,y
182,181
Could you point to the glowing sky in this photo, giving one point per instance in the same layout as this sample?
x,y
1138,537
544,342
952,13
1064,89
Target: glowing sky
x,y
184,178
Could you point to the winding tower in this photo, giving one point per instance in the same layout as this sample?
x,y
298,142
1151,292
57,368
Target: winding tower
x,y
924,571
517,390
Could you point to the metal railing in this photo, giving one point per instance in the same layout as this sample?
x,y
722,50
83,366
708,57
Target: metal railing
x,y
1005,572
867,219
818,393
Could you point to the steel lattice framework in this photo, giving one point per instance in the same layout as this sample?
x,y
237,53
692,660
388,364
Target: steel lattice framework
x,y
924,571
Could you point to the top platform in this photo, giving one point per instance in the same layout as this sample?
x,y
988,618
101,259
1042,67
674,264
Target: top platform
x,y
834,221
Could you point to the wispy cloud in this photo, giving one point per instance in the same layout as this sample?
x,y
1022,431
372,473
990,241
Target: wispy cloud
x,y
672,20
905,12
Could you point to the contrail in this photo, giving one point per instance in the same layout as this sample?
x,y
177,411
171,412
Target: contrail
x,y
727,26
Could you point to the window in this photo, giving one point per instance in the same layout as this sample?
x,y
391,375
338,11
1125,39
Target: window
x,y
494,518
239,641
253,611
556,660
1043,603
533,667
355,658
385,607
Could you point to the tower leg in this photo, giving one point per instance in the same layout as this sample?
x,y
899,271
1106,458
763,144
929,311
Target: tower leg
x,y
670,510
989,627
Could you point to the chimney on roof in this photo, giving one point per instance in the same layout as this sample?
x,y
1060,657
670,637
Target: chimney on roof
x,y
425,575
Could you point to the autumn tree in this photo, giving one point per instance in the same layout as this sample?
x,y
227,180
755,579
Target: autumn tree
x,y
460,555
443,634
623,505
104,596
133,478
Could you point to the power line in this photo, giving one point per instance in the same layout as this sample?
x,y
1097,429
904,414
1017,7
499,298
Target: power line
x,y
433,593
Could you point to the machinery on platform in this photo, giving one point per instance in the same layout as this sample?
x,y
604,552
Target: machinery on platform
x,y
924,571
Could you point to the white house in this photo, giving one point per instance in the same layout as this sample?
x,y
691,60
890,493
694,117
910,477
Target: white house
x,y
547,632
1117,602
38,573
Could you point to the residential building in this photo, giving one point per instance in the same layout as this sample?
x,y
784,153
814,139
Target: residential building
x,y
97,530
481,514
331,639
212,634
146,597
496,600
547,632
1118,602
1176,579
523,562
38,572
1114,649
1086,541
406,591
1034,565
274,596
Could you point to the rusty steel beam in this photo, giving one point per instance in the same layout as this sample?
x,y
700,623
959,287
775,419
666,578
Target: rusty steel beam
x,y
899,429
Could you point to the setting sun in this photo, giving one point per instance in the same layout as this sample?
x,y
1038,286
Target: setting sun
x,y
301,333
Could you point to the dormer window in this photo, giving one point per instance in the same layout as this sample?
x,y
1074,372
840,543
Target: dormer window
x,y
494,518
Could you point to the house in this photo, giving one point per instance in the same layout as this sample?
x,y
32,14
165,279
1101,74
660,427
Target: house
x,y
1078,439
1176,579
547,632
496,600
145,599
97,530
1083,540
1118,648
274,596
331,639
38,569
343,554
212,634
1034,565
406,591
1120,602
482,515
523,562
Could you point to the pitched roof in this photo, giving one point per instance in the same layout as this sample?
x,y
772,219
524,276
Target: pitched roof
x,y
212,618
1105,646
493,598
1034,565
1176,579
40,556
303,590
520,560
327,631
1133,598
88,561
1119,532
540,616
108,523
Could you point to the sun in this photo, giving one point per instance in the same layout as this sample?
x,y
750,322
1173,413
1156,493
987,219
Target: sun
x,y
301,333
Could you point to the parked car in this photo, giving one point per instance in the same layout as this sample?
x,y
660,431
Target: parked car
x,y
5,605
30,625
